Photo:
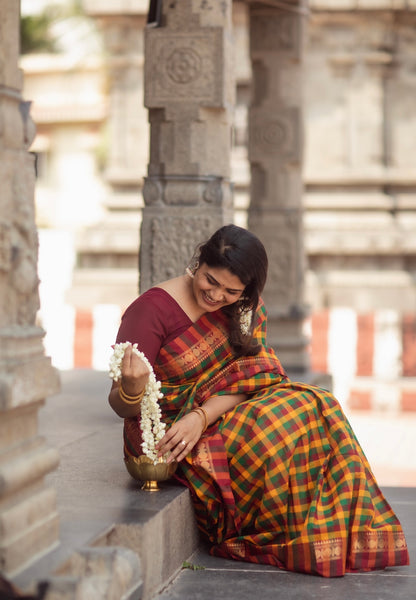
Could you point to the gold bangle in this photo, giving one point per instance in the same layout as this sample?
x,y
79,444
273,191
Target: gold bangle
x,y
126,395
127,399
201,411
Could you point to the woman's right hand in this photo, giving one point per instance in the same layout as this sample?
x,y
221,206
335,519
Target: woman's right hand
x,y
134,377
134,372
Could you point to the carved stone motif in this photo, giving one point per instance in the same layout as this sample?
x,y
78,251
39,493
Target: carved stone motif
x,y
179,190
275,31
171,241
184,66
275,135
213,192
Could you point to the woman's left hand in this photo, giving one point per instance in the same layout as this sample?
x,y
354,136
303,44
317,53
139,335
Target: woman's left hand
x,y
181,437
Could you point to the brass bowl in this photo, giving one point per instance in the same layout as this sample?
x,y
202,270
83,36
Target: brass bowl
x,y
142,468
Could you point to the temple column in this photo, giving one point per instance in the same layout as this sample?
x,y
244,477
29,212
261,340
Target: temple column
x,y
107,250
189,91
28,517
275,154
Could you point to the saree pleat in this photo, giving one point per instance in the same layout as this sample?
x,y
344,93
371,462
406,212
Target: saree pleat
x,y
281,479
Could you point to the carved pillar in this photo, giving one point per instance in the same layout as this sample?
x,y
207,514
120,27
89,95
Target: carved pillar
x,y
28,517
275,154
189,91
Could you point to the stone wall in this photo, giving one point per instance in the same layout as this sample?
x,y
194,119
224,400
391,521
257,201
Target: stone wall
x,y
359,175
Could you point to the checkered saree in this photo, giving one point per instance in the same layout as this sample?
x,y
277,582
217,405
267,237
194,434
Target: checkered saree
x,y
280,479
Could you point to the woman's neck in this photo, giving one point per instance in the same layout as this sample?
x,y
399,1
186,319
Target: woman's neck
x,y
181,289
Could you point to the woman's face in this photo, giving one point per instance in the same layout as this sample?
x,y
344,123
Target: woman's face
x,y
214,288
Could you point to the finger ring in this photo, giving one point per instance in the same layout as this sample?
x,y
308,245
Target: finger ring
x,y
183,443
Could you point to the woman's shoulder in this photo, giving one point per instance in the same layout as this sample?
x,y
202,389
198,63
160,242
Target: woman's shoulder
x,y
154,297
173,287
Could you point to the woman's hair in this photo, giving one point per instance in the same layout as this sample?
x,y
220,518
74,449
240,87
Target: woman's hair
x,y
243,254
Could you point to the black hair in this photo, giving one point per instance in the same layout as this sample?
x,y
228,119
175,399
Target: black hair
x,y
242,253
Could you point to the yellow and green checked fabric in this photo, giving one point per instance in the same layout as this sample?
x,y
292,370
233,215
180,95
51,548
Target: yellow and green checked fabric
x,y
281,479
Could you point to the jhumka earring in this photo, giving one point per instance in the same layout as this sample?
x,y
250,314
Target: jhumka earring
x,y
193,266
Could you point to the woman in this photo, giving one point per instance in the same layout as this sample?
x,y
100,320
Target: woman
x,y
275,471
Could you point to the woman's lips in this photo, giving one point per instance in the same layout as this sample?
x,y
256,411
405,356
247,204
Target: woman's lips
x,y
208,300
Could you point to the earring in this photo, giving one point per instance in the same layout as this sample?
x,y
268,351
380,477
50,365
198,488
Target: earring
x,y
193,267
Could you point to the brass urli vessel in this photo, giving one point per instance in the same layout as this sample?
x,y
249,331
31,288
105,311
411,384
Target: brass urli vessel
x,y
142,469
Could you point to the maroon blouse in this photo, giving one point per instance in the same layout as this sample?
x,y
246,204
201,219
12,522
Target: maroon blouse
x,y
151,321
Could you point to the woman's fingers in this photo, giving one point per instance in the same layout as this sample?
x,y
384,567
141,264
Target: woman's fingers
x,y
133,364
170,443
185,448
179,451
134,372
180,438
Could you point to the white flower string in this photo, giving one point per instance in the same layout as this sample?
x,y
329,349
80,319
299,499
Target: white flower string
x,y
245,321
152,427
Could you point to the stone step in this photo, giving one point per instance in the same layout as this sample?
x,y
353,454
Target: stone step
x,y
104,514
134,557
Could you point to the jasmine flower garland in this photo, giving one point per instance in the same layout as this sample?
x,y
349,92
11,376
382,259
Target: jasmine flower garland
x,y
152,428
245,321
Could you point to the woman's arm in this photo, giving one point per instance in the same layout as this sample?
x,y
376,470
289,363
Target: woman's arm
x,y
143,323
190,427
219,405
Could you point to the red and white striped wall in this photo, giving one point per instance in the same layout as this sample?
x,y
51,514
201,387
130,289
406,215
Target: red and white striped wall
x,y
371,356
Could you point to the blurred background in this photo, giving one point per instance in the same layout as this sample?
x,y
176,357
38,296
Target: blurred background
x,y
83,72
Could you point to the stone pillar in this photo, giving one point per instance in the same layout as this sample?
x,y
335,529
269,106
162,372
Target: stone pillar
x,y
275,154
106,270
28,517
121,24
189,91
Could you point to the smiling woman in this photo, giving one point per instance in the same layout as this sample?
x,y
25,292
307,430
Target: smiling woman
x,y
276,473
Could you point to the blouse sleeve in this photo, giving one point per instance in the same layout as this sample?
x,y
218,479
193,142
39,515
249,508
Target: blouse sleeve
x,y
143,324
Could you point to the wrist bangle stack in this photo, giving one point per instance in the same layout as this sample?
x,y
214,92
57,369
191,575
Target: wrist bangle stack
x,y
201,411
127,399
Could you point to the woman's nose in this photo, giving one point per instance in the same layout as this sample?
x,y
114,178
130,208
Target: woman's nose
x,y
218,295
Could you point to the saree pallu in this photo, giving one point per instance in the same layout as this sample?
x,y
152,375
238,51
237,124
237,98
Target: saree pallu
x,y
281,479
